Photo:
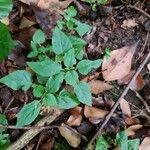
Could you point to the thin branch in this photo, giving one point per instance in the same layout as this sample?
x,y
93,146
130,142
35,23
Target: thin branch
x,y
28,127
118,102
138,9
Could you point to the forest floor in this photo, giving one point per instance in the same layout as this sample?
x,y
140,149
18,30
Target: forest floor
x,y
119,117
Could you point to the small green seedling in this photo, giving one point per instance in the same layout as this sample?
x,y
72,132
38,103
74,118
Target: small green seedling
x,y
55,65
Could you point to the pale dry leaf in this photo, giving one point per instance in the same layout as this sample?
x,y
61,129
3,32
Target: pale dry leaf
x,y
49,4
98,86
148,66
125,107
25,23
132,129
130,23
119,64
93,112
76,117
5,21
71,136
145,145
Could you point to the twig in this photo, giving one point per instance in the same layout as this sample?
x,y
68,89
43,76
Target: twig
x,y
118,102
142,11
28,127
29,135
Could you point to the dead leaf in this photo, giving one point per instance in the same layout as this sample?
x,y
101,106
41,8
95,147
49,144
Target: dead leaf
x,y
132,129
138,84
25,23
148,66
76,117
93,112
130,23
131,121
98,86
125,107
49,4
70,135
119,64
145,145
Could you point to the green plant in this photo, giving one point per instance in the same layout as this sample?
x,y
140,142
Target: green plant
x,y
121,142
4,137
107,53
55,66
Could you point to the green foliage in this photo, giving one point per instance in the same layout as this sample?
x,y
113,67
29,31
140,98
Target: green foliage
x,y
5,8
6,42
107,53
101,144
60,42
122,142
85,66
28,113
16,80
4,137
83,93
45,68
55,66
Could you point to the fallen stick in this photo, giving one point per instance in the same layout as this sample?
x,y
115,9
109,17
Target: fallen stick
x,y
30,134
118,101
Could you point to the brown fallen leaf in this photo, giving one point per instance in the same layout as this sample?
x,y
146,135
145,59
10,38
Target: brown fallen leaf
x,y
130,23
132,129
145,145
119,64
138,84
125,107
93,112
131,121
76,117
98,86
70,135
26,23
49,4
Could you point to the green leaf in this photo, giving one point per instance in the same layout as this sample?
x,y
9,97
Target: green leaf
x,y
6,42
122,140
53,84
5,8
60,42
39,37
16,80
28,113
82,28
102,2
133,144
85,66
101,144
71,78
50,100
69,58
45,68
38,90
3,121
67,100
71,11
107,53
76,41
79,53
83,93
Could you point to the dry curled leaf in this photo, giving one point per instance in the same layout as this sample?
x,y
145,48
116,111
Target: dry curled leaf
x,y
98,86
70,135
145,145
76,117
132,129
130,23
49,4
93,112
119,64
125,107
138,84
